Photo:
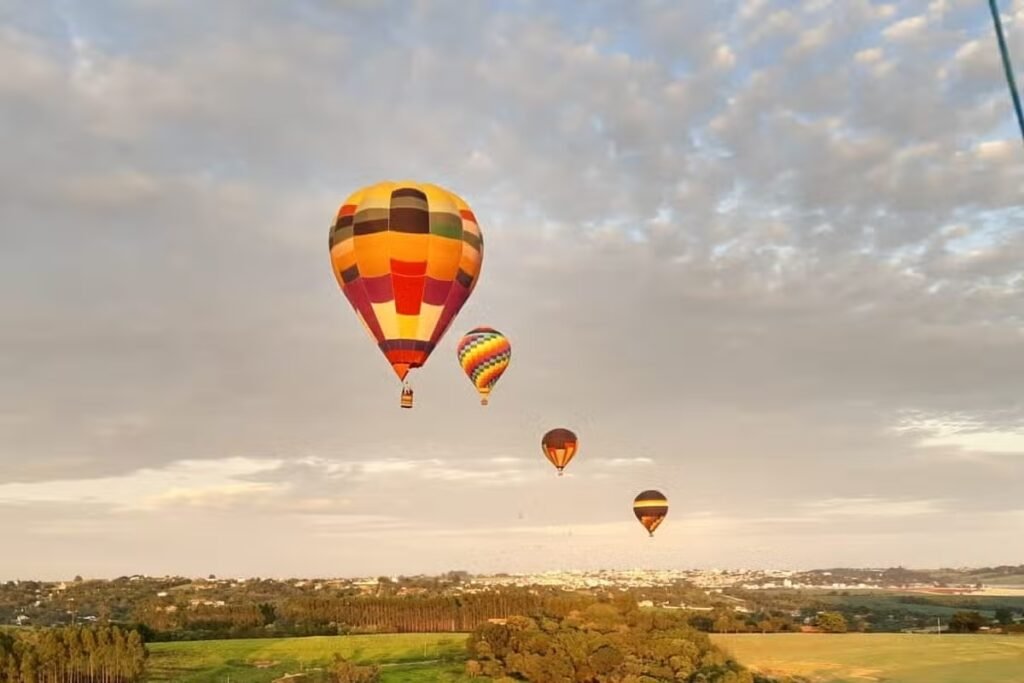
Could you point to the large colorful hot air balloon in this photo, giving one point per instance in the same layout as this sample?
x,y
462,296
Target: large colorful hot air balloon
x,y
559,446
407,256
484,353
650,507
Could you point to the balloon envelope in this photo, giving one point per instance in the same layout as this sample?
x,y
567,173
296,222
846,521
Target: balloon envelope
x,y
407,256
484,354
559,446
650,507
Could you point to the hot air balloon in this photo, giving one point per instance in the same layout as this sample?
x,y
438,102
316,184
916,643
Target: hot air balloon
x,y
407,256
650,507
559,446
484,353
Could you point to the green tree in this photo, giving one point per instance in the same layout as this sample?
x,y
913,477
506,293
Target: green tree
x,y
1004,615
267,613
832,622
344,671
967,622
606,660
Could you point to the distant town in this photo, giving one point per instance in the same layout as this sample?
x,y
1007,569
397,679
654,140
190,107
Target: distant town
x,y
156,600
953,581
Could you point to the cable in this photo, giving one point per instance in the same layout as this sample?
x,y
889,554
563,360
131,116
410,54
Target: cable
x,y
1007,67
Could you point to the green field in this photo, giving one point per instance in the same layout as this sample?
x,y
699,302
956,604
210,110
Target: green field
x,y
408,657
882,657
936,605
423,657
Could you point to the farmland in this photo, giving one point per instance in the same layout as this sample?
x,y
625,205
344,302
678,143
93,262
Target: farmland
x,y
405,657
921,603
848,658
897,658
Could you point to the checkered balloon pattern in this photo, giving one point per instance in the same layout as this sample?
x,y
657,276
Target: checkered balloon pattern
x,y
484,354
407,256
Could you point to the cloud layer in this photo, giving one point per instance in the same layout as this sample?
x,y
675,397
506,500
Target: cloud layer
x,y
765,258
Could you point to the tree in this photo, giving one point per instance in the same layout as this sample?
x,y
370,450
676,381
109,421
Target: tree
x,y
1004,615
967,622
267,613
599,642
832,622
344,671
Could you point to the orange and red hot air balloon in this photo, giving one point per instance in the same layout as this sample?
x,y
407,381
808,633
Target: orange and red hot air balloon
x,y
407,256
559,446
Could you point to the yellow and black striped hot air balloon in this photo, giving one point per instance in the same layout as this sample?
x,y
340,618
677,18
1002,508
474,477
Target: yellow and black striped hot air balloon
x,y
650,507
559,446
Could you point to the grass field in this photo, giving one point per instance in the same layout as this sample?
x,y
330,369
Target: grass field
x,y
429,657
936,605
882,657
411,657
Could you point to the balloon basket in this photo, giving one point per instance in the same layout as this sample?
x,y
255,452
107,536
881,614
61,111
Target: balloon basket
x,y
406,398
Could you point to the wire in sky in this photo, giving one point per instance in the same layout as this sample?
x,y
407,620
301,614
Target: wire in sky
x,y
1007,67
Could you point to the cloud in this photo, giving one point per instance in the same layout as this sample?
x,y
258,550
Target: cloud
x,y
728,245
873,507
211,496
623,462
906,29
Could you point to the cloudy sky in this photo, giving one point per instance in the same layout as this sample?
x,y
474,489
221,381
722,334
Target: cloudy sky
x,y
763,256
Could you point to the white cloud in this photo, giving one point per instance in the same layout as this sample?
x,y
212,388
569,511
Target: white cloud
x,y
227,495
906,29
724,57
869,55
192,480
963,434
869,506
981,442
623,462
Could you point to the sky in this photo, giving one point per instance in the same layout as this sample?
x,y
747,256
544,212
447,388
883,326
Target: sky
x,y
762,256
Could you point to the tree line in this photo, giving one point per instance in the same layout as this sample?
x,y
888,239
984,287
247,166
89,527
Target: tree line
x,y
411,614
341,615
72,654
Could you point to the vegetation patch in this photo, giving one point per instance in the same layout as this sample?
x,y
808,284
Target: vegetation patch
x,y
856,657
604,642
215,661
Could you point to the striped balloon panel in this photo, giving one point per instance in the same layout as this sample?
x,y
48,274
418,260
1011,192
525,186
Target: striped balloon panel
x,y
650,507
407,256
559,446
484,354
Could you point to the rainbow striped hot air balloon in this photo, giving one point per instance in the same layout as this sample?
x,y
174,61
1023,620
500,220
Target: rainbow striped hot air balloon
x,y
407,256
484,354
